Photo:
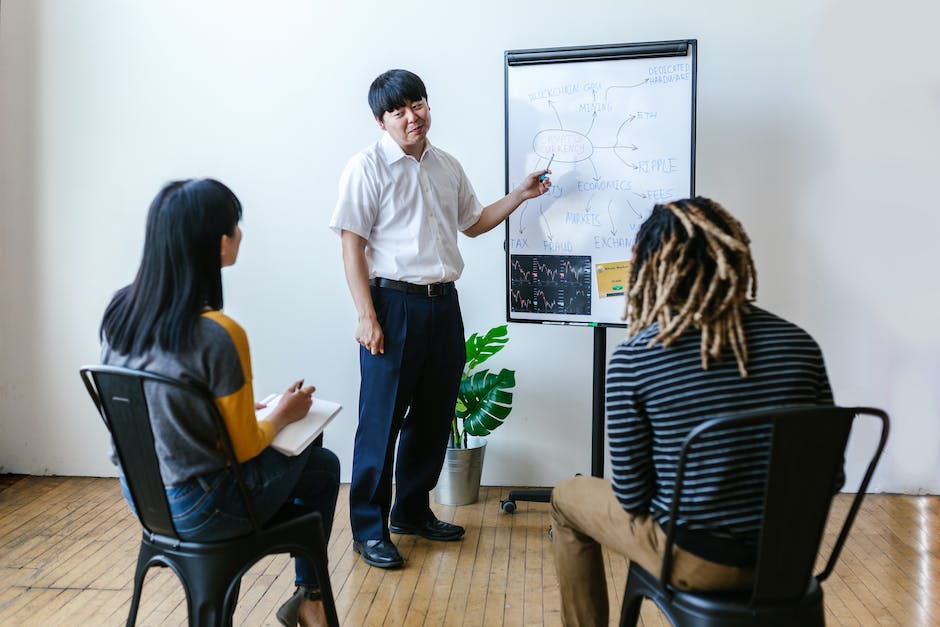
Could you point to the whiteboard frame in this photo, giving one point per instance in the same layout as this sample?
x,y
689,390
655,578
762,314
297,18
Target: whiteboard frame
x,y
574,54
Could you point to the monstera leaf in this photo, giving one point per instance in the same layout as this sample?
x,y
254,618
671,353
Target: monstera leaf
x,y
483,402
480,348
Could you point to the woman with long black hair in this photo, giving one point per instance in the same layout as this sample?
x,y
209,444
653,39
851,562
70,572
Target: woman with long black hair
x,y
169,321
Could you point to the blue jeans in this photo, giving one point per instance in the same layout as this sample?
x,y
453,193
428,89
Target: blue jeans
x,y
210,507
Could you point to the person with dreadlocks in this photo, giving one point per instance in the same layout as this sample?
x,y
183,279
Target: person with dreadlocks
x,y
696,347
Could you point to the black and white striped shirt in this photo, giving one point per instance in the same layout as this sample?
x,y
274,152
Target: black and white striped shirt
x,y
656,396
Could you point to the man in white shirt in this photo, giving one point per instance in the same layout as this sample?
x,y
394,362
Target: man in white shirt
x,y
401,203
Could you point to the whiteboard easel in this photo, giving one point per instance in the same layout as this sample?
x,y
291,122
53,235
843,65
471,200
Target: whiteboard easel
x,y
618,123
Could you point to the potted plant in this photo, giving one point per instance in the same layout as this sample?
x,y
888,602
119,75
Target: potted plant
x,y
483,403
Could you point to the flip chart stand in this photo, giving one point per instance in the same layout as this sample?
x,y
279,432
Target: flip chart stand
x,y
638,101
544,495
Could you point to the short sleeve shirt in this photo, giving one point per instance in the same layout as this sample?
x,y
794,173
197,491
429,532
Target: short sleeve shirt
x,y
408,210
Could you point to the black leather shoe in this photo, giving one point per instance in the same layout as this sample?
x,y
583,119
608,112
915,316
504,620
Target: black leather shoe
x,y
431,530
379,553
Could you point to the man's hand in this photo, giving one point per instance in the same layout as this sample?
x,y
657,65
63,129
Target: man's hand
x,y
369,334
534,185
530,187
369,331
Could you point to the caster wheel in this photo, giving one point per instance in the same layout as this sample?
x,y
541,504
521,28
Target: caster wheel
x,y
509,507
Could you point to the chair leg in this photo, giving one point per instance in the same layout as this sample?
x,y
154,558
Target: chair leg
x,y
630,612
231,602
326,590
637,589
204,609
143,565
135,601
206,598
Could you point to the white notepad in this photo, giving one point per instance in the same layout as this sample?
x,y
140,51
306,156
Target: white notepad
x,y
297,436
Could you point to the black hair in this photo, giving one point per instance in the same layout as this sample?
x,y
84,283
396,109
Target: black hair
x,y
393,89
180,269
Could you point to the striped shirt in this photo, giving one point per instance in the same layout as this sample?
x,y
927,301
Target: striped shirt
x,y
656,396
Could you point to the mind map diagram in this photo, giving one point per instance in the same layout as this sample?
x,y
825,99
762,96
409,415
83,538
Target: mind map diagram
x,y
617,147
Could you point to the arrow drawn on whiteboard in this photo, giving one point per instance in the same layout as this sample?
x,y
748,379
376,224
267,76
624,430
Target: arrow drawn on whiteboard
x,y
620,130
596,177
587,209
607,92
593,117
638,194
617,145
626,163
637,213
613,228
545,220
557,117
521,216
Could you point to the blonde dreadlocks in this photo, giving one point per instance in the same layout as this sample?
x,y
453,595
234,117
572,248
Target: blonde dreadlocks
x,y
692,265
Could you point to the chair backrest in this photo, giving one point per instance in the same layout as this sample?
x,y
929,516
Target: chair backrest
x,y
807,454
119,395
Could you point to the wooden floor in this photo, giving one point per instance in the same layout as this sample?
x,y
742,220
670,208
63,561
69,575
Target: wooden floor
x,y
68,548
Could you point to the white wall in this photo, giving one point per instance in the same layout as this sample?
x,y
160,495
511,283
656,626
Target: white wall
x,y
818,122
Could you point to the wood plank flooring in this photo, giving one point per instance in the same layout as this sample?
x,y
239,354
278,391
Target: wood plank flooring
x,y
68,548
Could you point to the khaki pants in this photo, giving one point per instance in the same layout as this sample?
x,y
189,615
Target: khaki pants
x,y
587,515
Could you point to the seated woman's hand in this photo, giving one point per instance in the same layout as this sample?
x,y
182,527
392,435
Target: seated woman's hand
x,y
294,404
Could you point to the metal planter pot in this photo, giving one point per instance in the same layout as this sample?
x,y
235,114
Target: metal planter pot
x,y
459,483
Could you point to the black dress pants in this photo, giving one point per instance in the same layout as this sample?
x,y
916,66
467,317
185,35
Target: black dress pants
x,y
406,394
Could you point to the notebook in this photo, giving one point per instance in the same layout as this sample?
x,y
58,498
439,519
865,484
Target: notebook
x,y
297,436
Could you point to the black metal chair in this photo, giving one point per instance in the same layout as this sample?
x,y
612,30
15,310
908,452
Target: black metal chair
x,y
210,572
806,459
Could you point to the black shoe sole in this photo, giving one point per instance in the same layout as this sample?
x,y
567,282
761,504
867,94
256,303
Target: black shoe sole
x,y
407,531
377,564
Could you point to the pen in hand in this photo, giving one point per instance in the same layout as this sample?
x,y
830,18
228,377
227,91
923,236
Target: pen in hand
x,y
545,175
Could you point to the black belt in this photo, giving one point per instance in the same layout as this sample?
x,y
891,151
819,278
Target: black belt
x,y
432,290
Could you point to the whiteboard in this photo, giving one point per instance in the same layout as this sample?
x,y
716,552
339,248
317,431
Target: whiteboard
x,y
620,122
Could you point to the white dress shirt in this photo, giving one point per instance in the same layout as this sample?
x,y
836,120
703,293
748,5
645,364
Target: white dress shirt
x,y
408,210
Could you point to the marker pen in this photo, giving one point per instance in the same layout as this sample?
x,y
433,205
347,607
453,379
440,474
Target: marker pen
x,y
544,176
